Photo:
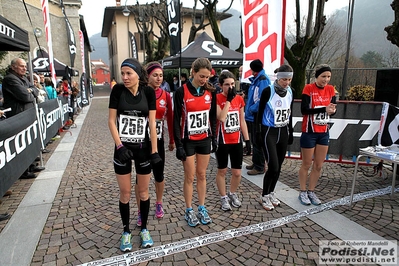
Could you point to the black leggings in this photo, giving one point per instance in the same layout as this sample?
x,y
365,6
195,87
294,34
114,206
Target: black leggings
x,y
274,146
159,170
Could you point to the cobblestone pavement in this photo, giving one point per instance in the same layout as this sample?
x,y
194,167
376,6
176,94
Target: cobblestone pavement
x,y
84,223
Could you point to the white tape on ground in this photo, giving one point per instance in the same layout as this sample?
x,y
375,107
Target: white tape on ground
x,y
185,245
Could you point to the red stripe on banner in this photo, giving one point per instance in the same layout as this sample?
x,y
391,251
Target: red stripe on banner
x,y
46,19
264,34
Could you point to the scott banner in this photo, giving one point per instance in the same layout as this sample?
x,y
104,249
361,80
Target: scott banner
x,y
173,11
133,46
355,125
21,138
263,27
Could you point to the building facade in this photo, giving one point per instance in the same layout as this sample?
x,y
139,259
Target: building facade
x,y
116,27
100,72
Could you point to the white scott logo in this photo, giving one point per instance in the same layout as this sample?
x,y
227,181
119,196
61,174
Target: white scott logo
x,y
212,48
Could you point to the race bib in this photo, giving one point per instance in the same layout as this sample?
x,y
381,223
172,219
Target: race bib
x,y
321,118
232,122
132,128
281,117
197,122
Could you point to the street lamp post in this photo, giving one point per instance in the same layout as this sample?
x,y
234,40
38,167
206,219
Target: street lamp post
x,y
126,13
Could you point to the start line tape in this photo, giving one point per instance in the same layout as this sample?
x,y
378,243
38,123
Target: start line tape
x,y
143,255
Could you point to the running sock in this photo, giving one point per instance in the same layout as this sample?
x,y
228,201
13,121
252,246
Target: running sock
x,y
124,209
144,210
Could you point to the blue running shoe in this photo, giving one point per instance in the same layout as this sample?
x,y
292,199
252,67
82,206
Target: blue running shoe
x,y
146,240
203,215
191,218
126,245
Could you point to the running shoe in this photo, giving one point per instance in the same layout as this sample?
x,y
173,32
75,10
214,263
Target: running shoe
x,y
273,199
225,203
234,200
191,218
303,198
313,198
126,245
138,218
146,240
203,215
159,213
265,202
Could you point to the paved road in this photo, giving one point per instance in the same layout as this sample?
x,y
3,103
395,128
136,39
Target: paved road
x,y
69,214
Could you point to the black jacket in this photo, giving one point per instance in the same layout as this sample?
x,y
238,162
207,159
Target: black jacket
x,y
16,94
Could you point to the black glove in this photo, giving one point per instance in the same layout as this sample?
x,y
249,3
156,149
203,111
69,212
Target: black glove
x,y
214,145
124,154
181,154
155,158
231,94
248,148
290,137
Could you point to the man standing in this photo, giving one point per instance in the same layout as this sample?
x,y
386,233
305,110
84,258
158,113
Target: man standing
x,y
259,82
17,91
19,95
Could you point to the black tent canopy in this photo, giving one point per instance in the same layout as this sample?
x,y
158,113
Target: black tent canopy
x,y
41,64
12,38
204,46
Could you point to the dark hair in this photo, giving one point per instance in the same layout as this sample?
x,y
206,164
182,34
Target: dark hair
x,y
284,68
225,75
183,75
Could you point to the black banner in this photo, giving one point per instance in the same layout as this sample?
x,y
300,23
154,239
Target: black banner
x,y
354,126
389,127
12,37
83,100
70,35
21,137
133,45
173,12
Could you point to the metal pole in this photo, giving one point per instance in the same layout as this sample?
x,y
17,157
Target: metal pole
x,y
344,81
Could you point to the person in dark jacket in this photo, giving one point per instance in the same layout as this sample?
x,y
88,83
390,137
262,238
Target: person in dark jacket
x,y
19,95
17,92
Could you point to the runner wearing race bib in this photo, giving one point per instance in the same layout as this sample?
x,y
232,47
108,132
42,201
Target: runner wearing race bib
x,y
194,126
132,125
164,113
318,104
274,127
231,129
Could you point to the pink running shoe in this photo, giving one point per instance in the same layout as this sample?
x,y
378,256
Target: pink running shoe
x,y
159,213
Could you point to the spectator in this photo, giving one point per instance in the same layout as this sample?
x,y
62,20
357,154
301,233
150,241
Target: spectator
x,y
17,92
175,82
20,96
51,91
41,79
214,80
259,82
42,93
165,86
113,82
183,78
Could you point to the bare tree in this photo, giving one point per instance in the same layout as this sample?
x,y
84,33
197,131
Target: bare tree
x,y
392,59
393,30
299,54
209,12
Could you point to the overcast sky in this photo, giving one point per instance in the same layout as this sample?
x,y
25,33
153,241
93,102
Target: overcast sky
x,y
93,10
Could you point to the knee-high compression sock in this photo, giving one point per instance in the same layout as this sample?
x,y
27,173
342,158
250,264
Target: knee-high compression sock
x,y
124,209
144,210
